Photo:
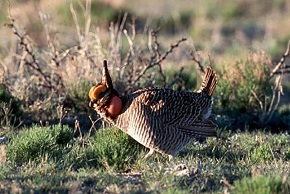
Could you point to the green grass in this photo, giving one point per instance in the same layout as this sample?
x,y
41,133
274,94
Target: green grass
x,y
108,149
36,143
262,185
49,159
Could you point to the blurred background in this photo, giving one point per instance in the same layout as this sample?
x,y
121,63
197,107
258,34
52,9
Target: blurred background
x,y
218,26
243,40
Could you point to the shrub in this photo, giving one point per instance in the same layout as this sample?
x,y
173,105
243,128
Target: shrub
x,y
284,113
10,109
262,185
287,154
112,148
109,148
240,88
37,142
261,153
233,11
77,94
237,81
51,73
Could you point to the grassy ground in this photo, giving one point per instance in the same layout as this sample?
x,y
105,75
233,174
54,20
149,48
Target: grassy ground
x,y
237,162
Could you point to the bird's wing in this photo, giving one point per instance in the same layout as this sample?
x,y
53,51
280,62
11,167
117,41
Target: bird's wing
x,y
170,106
175,109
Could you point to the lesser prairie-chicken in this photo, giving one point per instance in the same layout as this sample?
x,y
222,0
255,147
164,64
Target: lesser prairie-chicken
x,y
162,120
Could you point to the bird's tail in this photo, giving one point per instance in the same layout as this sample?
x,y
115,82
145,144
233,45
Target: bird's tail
x,y
209,82
201,128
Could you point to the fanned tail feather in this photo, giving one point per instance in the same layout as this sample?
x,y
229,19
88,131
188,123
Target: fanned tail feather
x,y
209,82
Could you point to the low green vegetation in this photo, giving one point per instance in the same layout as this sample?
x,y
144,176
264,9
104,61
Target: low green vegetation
x,y
10,110
262,185
50,159
77,92
247,91
107,148
39,142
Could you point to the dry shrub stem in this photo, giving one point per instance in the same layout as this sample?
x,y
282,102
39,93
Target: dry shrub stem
x,y
50,68
156,59
285,68
267,109
83,36
30,60
93,125
193,55
50,40
56,57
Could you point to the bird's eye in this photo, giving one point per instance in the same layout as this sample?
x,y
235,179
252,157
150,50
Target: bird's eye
x,y
102,94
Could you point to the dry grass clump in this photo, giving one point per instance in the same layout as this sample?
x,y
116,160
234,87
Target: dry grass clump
x,y
49,76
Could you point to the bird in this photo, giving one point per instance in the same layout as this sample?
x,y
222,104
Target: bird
x,y
161,119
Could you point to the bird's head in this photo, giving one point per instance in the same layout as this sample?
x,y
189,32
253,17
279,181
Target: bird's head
x,y
103,97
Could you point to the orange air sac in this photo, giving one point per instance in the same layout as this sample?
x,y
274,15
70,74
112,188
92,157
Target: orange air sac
x,y
115,106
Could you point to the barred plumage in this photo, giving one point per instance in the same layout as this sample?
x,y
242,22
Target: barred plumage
x,y
162,120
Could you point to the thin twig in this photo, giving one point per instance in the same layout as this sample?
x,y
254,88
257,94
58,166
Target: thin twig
x,y
25,43
282,60
279,89
156,55
156,44
286,71
152,63
273,155
93,124
198,62
257,98
51,45
172,47
74,14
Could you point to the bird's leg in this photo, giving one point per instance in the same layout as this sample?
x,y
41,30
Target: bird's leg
x,y
149,154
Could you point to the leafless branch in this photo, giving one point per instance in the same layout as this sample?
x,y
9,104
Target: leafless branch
x,y
193,55
157,61
156,45
267,110
170,50
27,48
286,71
282,60
257,98
74,14
51,45
93,126
277,90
